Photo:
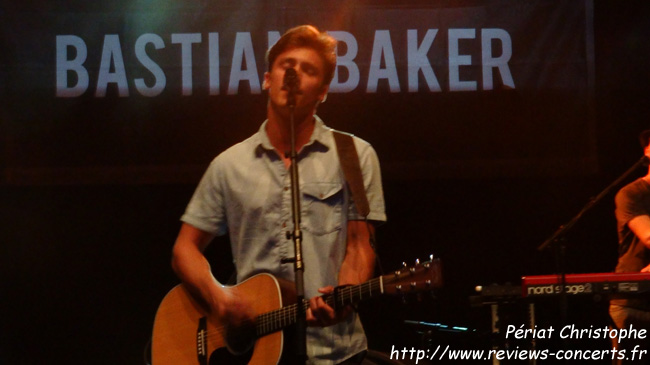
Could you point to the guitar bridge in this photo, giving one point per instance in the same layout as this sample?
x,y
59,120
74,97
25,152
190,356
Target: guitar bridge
x,y
201,342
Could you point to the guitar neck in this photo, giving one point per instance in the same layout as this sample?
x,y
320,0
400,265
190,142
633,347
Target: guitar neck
x,y
278,319
421,277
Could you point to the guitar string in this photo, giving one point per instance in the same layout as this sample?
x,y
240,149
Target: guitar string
x,y
268,322
275,320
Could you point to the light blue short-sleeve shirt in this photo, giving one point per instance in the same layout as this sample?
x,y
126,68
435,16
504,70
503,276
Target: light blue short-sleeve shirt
x,y
246,192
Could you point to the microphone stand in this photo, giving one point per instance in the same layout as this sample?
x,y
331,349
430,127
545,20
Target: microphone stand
x,y
558,239
301,316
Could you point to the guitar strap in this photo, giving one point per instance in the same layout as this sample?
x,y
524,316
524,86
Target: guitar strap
x,y
349,160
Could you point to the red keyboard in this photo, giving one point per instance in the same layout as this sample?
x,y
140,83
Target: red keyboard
x,y
586,284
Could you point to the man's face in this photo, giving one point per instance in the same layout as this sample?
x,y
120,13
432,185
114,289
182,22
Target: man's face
x,y
310,69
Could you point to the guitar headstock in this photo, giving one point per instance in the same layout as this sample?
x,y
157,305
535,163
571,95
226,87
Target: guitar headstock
x,y
420,277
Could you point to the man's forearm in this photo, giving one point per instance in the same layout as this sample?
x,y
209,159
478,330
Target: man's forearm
x,y
359,262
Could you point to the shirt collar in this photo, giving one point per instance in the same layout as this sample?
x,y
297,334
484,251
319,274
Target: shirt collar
x,y
320,135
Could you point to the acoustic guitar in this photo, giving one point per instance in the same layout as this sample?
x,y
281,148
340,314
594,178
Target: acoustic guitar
x,y
183,332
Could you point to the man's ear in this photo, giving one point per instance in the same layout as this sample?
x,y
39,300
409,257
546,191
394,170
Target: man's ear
x,y
323,95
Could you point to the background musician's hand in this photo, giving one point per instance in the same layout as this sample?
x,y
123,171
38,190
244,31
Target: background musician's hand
x,y
320,314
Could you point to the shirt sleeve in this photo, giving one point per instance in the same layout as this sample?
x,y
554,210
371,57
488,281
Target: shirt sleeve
x,y
628,206
206,209
371,172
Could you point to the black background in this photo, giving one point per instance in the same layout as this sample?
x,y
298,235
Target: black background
x,y
84,266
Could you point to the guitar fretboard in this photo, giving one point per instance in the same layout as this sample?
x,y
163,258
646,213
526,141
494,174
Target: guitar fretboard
x,y
278,319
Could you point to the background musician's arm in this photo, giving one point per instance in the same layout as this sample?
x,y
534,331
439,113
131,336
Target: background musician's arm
x,y
640,225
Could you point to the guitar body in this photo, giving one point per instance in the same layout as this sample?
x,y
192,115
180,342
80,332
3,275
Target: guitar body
x,y
184,334
177,339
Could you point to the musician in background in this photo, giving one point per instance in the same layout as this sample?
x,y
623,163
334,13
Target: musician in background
x,y
246,192
633,218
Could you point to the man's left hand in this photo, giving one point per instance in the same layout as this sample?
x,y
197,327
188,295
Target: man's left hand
x,y
320,314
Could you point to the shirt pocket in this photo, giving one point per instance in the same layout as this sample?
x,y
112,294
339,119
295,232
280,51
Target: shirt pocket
x,y
322,207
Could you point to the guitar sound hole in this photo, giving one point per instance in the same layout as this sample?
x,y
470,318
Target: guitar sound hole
x,y
222,356
241,339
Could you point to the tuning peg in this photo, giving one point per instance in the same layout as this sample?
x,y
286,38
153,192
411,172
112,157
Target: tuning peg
x,y
428,263
399,272
417,261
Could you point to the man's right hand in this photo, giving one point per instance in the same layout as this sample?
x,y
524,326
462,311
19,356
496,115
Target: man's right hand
x,y
231,308
236,314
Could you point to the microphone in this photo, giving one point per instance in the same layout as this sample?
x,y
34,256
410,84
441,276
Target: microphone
x,y
290,83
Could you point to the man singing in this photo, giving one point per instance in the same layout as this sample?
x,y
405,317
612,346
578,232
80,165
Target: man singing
x,y
246,192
